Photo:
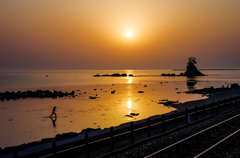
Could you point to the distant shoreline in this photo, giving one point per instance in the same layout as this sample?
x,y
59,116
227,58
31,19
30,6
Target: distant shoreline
x,y
206,69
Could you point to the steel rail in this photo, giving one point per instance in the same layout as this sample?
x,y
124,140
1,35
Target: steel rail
x,y
187,138
217,144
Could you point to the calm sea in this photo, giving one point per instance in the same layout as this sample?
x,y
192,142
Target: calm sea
x,y
26,120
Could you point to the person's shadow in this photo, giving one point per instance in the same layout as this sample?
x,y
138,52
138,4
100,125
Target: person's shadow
x,y
54,119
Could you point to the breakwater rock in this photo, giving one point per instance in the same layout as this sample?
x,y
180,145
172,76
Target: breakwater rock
x,y
34,94
114,75
168,74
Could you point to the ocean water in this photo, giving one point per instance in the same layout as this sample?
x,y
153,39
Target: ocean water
x,y
26,120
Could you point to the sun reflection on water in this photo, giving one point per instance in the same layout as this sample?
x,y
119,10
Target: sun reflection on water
x,y
129,103
129,81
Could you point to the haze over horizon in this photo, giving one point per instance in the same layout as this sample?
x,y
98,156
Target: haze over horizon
x,y
121,34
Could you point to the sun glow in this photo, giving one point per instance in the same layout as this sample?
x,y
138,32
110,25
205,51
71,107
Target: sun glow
x,y
129,34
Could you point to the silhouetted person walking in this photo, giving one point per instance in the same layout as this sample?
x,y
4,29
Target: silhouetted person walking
x,y
53,112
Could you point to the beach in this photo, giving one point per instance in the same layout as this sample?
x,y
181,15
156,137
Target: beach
x,y
26,120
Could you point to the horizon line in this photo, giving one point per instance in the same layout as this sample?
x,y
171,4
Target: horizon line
x,y
176,69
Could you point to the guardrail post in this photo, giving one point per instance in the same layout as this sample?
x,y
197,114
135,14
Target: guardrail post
x,y
131,126
175,114
132,130
175,118
86,139
196,112
111,132
149,122
86,145
112,140
54,147
196,108
218,107
237,103
234,103
149,126
15,154
163,118
204,110
186,113
163,123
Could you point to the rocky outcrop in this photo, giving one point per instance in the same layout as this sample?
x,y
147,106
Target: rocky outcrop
x,y
114,75
192,69
34,94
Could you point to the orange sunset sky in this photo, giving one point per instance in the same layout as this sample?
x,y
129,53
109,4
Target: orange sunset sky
x,y
119,34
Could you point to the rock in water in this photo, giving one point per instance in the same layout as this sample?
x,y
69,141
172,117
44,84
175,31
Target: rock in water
x,y
192,69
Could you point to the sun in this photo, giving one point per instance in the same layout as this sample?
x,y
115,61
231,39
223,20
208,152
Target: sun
x,y
129,34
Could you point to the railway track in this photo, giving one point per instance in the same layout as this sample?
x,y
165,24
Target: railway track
x,y
220,149
201,143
